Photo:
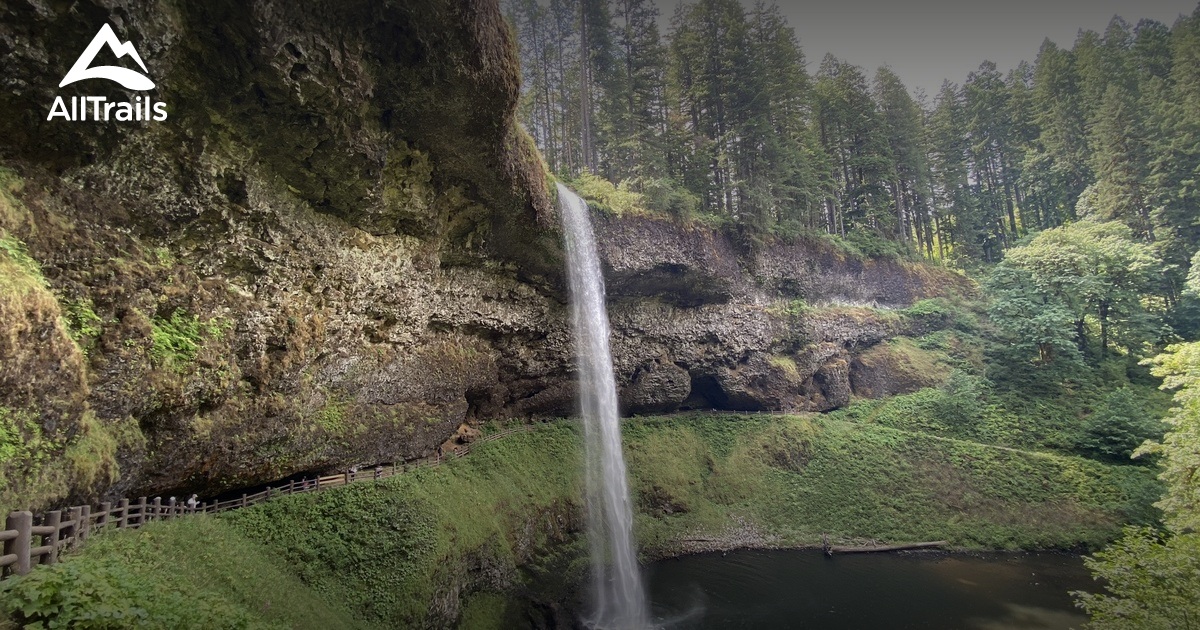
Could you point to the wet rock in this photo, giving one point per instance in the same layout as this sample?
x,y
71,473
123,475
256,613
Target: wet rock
x,y
656,387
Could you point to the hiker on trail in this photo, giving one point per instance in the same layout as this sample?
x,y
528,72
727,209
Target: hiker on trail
x,y
192,502
353,472
378,471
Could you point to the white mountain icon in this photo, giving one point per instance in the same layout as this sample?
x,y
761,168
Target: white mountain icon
x,y
131,79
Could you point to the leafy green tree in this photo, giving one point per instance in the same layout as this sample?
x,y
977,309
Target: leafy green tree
x,y
1036,327
850,132
789,161
1179,367
1095,270
1152,577
1151,582
989,130
710,57
1175,159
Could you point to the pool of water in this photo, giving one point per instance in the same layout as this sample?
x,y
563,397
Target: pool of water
x,y
804,589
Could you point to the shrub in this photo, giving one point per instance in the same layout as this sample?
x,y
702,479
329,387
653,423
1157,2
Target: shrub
x,y
1118,426
602,194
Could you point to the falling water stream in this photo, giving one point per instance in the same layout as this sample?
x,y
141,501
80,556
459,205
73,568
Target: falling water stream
x,y
619,600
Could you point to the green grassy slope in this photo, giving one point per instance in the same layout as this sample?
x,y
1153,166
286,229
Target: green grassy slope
x,y
506,519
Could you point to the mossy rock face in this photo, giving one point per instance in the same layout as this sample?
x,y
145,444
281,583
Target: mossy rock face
x,y
350,104
278,242
896,367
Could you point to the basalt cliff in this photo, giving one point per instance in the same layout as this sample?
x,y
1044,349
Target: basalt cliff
x,y
339,248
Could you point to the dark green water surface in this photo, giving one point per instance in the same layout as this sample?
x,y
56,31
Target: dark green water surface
x,y
804,589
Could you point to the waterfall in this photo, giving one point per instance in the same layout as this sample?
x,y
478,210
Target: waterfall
x,y
619,602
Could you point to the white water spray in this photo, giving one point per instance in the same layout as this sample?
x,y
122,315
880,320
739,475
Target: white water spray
x,y
619,602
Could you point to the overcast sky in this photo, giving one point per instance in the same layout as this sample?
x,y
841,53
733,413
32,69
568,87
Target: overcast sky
x,y
930,40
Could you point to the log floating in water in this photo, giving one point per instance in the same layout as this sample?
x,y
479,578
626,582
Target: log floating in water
x,y
903,547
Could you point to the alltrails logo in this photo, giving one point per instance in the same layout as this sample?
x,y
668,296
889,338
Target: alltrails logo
x,y
142,108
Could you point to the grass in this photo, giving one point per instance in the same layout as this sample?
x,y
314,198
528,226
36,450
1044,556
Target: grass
x,y
19,272
453,544
798,477
435,521
191,573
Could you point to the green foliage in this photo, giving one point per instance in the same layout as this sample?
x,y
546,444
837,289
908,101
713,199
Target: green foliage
x,y
361,535
378,554
18,270
1079,271
664,196
115,598
1152,579
24,446
603,195
385,549
38,467
871,244
1107,131
1037,331
795,478
935,314
1193,279
191,573
488,611
1119,425
177,339
1150,582
83,324
956,408
1179,367
332,416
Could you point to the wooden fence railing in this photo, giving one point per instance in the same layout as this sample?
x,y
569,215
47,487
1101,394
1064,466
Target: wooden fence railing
x,y
27,544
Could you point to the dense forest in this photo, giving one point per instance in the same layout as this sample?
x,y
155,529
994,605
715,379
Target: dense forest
x,y
721,117
1069,187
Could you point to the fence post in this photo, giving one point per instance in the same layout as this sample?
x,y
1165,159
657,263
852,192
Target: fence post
x,y
19,546
75,515
123,507
268,493
243,499
171,507
348,478
85,523
102,517
52,520
156,513
141,512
